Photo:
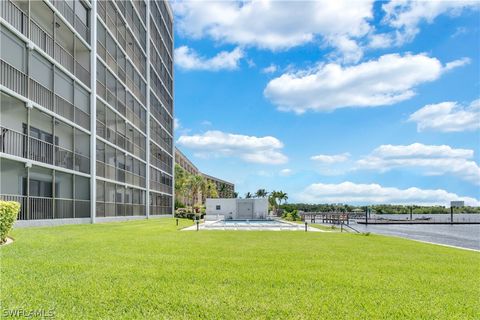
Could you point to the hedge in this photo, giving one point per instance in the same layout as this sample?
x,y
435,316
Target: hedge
x,y
8,214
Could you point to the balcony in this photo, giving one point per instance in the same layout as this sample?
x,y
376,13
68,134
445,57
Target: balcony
x,y
16,81
49,208
44,39
21,145
68,13
46,42
15,16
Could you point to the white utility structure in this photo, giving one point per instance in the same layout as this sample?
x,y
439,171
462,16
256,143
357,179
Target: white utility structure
x,y
236,209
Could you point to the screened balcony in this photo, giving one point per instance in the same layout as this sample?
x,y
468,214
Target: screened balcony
x,y
44,193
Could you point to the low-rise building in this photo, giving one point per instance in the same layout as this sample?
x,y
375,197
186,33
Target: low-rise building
x,y
224,188
236,209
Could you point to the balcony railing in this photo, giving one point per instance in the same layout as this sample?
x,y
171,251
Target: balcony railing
x,y
68,13
64,108
111,209
41,95
16,143
40,151
44,208
13,78
158,186
15,16
111,172
63,158
40,208
22,215
16,80
13,143
64,57
82,74
159,210
41,38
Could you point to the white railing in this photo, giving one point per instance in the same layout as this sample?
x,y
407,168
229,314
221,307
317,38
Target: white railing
x,y
64,57
40,208
13,78
22,215
13,142
41,38
41,95
14,15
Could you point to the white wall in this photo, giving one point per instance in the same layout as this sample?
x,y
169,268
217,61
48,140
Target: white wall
x,y
228,207
260,208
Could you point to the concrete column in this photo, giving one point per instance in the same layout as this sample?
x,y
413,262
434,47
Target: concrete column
x,y
147,171
93,111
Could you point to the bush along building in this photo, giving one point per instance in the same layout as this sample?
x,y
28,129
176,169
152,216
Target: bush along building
x,y
86,118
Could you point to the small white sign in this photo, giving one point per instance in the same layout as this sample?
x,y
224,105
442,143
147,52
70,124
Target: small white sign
x,y
457,204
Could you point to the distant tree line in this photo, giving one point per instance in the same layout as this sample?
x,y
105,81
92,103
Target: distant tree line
x,y
379,208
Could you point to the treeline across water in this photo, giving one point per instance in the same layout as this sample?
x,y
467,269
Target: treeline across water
x,y
378,209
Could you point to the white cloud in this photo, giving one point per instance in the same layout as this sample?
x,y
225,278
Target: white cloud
x,y
390,79
429,159
286,172
353,193
265,150
176,124
188,59
448,117
329,159
406,16
270,69
275,25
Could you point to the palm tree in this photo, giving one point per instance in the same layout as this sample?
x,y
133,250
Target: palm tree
x,y
272,199
222,190
261,193
282,196
181,177
210,190
248,195
195,184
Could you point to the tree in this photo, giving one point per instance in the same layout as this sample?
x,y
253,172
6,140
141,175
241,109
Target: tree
x,y
272,200
181,177
235,194
195,184
281,196
210,190
222,189
248,195
261,193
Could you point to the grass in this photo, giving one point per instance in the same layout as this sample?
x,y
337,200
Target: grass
x,y
150,270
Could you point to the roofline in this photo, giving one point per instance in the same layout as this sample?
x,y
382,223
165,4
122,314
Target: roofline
x,y
215,178
189,161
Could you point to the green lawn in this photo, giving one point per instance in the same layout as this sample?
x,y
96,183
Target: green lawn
x,y
150,270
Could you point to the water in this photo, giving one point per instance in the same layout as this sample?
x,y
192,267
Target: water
x,y
465,236
458,217
248,222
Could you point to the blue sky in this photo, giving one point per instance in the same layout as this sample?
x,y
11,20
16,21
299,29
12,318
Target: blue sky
x,y
356,102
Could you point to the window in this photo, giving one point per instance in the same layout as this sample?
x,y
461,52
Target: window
x,y
218,207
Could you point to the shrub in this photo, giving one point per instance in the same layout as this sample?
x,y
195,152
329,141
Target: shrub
x,y
8,214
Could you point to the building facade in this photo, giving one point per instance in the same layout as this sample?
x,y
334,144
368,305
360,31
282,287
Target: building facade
x,y
236,209
224,188
86,114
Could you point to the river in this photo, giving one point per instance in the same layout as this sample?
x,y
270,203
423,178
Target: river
x,y
460,235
